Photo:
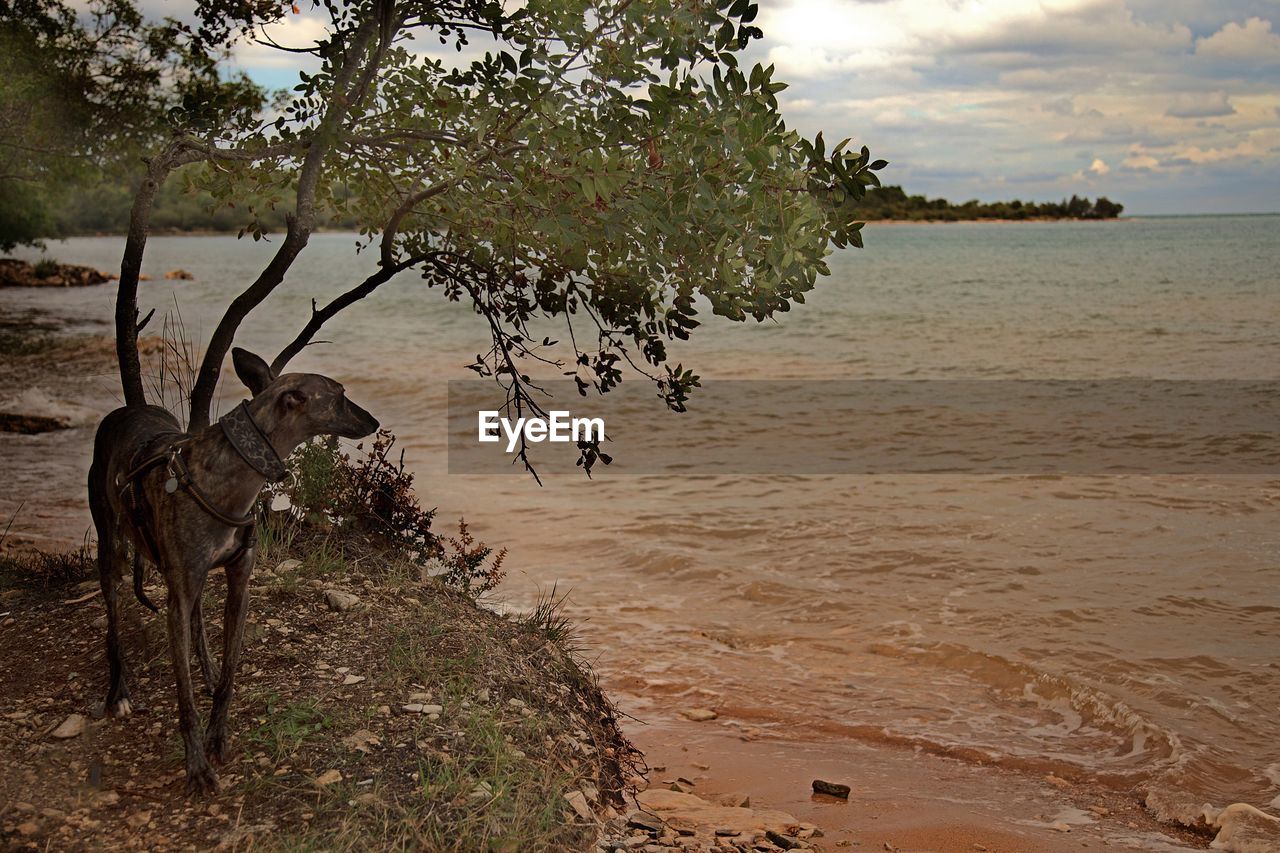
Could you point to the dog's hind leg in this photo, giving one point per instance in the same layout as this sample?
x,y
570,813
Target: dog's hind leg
x,y
201,642
200,776
216,740
111,559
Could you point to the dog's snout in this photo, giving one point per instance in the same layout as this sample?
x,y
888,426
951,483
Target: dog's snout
x,y
361,423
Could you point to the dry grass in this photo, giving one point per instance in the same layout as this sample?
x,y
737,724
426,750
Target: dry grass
x,y
521,721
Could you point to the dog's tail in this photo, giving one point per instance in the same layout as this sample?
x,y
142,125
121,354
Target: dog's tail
x,y
137,584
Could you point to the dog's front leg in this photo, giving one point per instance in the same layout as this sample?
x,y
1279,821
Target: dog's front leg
x,y
201,641
216,740
200,776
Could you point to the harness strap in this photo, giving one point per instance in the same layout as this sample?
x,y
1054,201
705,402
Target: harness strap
x,y
178,469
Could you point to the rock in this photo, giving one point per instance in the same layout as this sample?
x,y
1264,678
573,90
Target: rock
x,y
683,786
646,821
1060,826
287,566
421,698
72,726
15,273
31,424
482,695
778,839
433,709
178,275
352,679
578,801
690,810
106,798
413,707
340,601
138,820
699,715
831,789
328,777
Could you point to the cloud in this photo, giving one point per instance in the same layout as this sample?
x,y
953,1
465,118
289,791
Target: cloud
x,y
1253,40
1099,167
1200,105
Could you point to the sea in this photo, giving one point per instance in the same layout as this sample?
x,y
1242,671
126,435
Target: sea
x,y
1120,629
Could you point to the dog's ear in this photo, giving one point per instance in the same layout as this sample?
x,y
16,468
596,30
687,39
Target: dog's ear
x,y
253,371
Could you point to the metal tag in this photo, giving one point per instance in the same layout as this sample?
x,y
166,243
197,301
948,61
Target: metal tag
x,y
171,485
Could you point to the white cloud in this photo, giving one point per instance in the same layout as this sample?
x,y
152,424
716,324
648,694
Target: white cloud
x,y
1099,167
1138,159
1253,40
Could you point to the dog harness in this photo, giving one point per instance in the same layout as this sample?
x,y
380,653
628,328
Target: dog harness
x,y
250,443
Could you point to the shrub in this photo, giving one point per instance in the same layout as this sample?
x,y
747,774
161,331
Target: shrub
x,y
374,495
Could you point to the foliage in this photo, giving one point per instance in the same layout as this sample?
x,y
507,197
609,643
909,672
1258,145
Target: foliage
x,y
604,165
370,493
464,563
84,91
374,495
891,202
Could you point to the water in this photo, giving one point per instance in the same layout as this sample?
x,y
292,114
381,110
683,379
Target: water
x,y
1120,630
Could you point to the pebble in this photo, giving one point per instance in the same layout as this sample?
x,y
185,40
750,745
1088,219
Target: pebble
x,y
352,679
340,601
72,726
578,801
831,789
328,777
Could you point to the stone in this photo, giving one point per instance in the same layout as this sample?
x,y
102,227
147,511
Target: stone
x,y
646,821
699,715
328,777
421,697
72,726
287,566
352,679
778,839
578,801
29,827
831,789
340,601
138,820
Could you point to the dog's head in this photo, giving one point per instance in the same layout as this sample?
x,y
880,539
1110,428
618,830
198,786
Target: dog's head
x,y
310,403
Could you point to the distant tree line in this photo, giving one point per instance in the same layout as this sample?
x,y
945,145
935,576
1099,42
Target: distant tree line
x,y
892,202
104,209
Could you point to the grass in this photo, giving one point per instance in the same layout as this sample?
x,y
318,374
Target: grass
x,y
286,725
522,723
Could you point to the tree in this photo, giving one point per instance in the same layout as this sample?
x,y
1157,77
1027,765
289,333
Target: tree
x,y
605,163
82,93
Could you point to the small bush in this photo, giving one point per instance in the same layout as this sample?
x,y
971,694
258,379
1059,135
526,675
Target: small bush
x,y
464,564
374,495
46,267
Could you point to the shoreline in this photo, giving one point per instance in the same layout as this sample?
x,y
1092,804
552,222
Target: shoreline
x,y
901,797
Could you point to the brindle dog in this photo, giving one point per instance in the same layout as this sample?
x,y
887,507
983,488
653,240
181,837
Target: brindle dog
x,y
187,503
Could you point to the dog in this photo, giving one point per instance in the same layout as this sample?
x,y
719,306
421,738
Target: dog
x,y
187,503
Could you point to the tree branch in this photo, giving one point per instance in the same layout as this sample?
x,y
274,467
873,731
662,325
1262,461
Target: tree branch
x,y
320,316
300,226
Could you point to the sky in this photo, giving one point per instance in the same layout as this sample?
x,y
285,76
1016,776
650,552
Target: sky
x,y
1168,106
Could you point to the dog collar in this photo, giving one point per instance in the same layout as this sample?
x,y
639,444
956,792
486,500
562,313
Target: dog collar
x,y
251,443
